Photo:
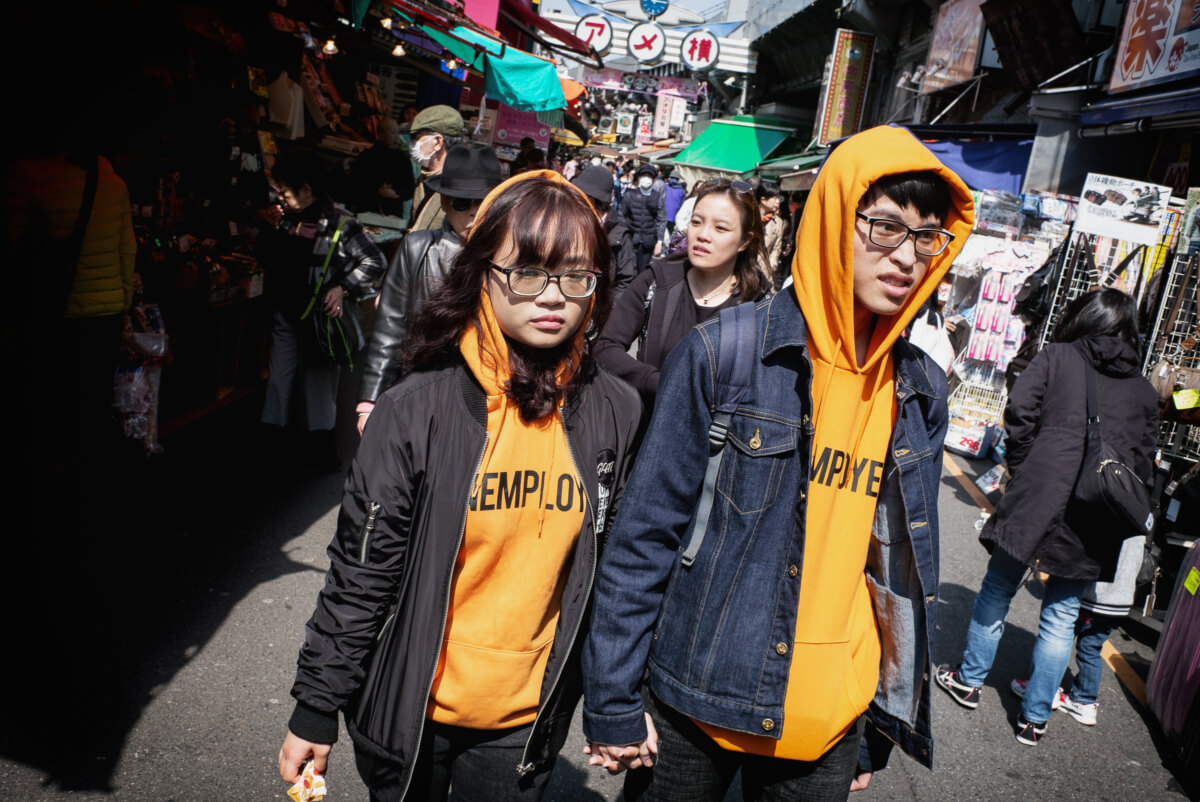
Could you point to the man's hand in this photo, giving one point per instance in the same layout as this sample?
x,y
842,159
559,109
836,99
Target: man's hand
x,y
861,780
295,751
658,249
616,759
333,301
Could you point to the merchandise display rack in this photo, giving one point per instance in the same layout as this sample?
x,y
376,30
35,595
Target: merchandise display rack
x,y
1178,440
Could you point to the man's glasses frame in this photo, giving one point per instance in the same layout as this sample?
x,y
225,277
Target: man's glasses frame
x,y
591,277
464,204
909,231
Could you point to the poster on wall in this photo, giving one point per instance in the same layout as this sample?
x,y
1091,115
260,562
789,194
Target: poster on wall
x,y
1159,42
1122,208
845,95
954,52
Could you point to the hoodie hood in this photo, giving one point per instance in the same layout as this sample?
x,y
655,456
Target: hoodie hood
x,y
1110,355
823,265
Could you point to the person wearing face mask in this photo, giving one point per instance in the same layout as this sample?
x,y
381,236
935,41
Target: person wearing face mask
x,y
596,183
457,597
434,131
644,210
381,175
422,261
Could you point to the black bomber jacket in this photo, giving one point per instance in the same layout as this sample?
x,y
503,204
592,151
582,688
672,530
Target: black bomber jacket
x,y
372,645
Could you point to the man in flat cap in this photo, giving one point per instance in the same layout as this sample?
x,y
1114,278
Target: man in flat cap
x,y
434,131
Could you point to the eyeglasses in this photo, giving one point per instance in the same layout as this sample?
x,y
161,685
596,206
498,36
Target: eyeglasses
x,y
532,281
741,186
464,204
888,233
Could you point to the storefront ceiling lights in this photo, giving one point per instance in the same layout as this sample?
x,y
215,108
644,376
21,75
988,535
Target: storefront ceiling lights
x,y
330,48
398,51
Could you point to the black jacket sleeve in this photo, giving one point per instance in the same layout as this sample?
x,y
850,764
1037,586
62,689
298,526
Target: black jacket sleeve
x,y
381,363
624,264
360,263
1024,410
622,330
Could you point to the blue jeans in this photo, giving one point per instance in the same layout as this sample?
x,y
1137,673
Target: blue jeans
x,y
1092,630
1055,639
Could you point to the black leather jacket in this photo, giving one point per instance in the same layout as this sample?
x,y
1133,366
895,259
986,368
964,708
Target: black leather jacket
x,y
372,645
420,263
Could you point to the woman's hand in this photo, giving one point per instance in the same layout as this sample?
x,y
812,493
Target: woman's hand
x,y
333,301
861,780
295,751
616,759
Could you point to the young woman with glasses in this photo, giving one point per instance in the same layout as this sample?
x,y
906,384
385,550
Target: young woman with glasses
x,y
719,269
453,612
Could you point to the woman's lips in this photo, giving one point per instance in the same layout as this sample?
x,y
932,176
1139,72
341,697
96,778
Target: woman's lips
x,y
697,250
548,322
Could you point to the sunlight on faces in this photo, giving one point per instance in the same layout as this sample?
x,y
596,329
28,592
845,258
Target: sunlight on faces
x,y
884,278
550,318
715,234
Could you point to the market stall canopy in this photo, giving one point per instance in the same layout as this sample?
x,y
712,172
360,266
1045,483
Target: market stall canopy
x,y
986,165
795,172
567,138
572,89
729,148
531,21
519,79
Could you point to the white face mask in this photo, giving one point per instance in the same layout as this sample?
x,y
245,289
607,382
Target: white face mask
x,y
418,152
645,182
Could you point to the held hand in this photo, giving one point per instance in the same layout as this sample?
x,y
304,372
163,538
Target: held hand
x,y
861,780
616,759
333,301
295,751
658,249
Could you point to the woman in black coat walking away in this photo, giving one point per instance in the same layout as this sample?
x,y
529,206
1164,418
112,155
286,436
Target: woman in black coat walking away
x,y
1036,526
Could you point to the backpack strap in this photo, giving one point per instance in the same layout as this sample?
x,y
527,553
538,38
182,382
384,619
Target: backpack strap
x,y
734,361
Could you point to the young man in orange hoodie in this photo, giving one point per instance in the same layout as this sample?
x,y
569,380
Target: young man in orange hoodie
x,y
793,642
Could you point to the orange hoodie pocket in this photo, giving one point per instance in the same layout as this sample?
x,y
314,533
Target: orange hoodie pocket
x,y
486,688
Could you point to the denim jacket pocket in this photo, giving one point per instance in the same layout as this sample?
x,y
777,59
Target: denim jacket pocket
x,y
757,452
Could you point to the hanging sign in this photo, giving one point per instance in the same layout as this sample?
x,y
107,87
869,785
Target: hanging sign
x,y
1121,208
662,116
640,82
679,113
513,125
954,52
644,135
624,123
596,30
845,93
647,42
1160,42
699,50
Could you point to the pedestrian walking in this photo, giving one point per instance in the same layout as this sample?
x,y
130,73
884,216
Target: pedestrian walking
x,y
596,183
789,638
458,592
769,197
434,131
643,208
1037,527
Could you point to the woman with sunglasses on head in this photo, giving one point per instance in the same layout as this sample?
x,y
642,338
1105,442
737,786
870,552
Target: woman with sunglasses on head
x,y
720,269
469,173
449,628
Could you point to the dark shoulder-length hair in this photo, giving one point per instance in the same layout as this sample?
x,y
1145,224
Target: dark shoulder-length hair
x,y
749,280
1100,312
550,223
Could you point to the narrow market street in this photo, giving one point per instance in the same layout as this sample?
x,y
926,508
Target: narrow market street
x,y
187,697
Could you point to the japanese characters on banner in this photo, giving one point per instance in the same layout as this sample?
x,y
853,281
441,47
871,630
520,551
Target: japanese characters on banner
x,y
699,50
625,123
679,110
637,82
954,52
845,93
597,31
662,116
645,136
1160,42
512,125
647,42
1122,208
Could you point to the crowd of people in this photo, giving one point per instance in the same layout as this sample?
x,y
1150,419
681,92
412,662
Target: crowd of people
x,y
667,449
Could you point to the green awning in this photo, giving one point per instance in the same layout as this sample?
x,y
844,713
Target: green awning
x,y
790,164
511,75
732,146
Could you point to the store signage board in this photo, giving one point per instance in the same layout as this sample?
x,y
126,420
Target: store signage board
x,y
513,125
645,135
639,82
1122,208
699,50
647,42
679,110
845,96
662,116
957,39
1160,42
597,31
625,123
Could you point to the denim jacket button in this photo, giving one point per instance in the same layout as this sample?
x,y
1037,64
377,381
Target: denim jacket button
x,y
781,648
793,570
768,725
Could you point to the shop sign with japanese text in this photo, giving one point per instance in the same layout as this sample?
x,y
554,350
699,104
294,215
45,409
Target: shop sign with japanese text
x,y
1121,208
597,31
954,53
1160,42
845,95
663,113
647,42
625,123
645,136
699,50
513,125
639,82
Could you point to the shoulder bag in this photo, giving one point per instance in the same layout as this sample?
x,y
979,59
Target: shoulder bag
x,y
1168,376
336,339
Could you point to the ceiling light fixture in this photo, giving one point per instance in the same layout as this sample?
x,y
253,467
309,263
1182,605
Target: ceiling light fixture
x,y
330,48
386,22
398,50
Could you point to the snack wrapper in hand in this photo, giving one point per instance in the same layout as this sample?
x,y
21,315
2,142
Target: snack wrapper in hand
x,y
310,786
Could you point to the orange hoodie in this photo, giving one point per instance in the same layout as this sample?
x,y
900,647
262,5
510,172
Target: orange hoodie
x,y
835,655
525,512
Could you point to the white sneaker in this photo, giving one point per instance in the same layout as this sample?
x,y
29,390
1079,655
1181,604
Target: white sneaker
x,y
1084,714
1018,686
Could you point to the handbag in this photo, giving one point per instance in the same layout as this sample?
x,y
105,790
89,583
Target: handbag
x,y
1168,376
1105,482
337,339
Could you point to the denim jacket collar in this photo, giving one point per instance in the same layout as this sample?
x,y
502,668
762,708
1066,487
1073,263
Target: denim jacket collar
x,y
786,328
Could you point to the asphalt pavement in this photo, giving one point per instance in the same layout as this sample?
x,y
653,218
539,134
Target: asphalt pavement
x,y
154,647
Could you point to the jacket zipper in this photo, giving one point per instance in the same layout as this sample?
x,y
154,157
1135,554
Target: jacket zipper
x,y
446,606
526,765
368,528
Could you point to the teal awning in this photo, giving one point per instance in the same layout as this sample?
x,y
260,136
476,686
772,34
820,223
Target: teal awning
x,y
735,145
513,76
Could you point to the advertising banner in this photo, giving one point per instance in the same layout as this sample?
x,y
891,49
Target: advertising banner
x,y
1160,42
645,136
845,94
955,48
1122,208
625,123
513,125
663,114
638,82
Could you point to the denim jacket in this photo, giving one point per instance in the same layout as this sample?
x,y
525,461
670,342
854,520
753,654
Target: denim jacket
x,y
707,634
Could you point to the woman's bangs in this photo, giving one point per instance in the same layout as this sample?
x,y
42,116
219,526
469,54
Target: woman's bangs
x,y
554,233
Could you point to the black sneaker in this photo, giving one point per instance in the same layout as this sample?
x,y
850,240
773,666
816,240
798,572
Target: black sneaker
x,y
1028,732
965,695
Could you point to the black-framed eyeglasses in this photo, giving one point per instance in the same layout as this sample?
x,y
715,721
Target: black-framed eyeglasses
x,y
532,281
888,233
464,204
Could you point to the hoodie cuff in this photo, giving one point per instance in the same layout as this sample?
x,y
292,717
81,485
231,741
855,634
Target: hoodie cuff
x,y
314,726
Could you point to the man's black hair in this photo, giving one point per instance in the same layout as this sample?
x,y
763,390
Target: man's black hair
x,y
299,167
925,191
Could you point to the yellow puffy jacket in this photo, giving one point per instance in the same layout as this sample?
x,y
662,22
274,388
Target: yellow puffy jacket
x,y
41,198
